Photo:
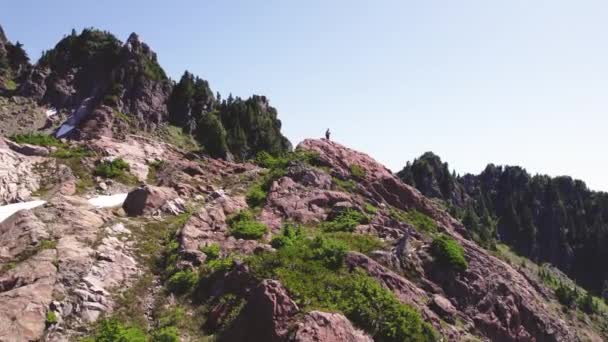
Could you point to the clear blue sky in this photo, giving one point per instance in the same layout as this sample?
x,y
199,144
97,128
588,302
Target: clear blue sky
x,y
509,82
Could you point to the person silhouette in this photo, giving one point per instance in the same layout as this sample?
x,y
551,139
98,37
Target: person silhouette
x,y
327,134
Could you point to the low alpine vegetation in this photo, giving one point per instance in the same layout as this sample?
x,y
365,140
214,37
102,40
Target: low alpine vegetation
x,y
38,139
114,330
449,253
346,221
111,169
413,217
182,281
244,226
51,318
313,271
116,169
212,251
357,171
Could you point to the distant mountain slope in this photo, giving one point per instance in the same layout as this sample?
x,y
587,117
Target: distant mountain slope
x,y
549,219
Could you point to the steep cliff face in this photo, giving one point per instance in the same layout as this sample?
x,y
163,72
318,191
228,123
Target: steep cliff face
x,y
116,82
111,89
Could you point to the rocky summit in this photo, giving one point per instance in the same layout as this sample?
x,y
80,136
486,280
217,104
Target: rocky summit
x,y
137,208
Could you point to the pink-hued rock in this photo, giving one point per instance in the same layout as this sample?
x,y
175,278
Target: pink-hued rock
x,y
288,199
490,295
18,180
377,181
318,326
146,200
266,316
208,226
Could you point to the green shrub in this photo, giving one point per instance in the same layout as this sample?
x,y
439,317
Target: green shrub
x,y
362,243
420,221
244,226
51,318
266,160
166,334
182,281
212,251
72,152
313,273
588,304
566,295
290,235
449,253
346,221
218,265
10,84
111,169
357,171
330,252
47,244
345,185
37,139
172,317
111,330
256,196
370,209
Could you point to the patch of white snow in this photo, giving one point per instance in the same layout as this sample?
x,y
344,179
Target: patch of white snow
x,y
63,130
108,201
51,112
7,210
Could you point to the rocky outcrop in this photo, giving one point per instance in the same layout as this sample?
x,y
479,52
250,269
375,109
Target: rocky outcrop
x,y
61,258
375,181
20,115
208,226
147,200
18,179
25,297
267,315
323,326
28,149
288,199
491,296
117,78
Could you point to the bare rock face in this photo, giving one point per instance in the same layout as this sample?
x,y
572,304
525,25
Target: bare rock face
x,y
17,177
25,296
116,77
27,149
18,232
64,258
288,199
266,316
209,226
146,200
378,181
322,326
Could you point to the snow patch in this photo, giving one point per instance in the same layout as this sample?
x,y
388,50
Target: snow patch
x,y
63,130
7,210
51,112
108,201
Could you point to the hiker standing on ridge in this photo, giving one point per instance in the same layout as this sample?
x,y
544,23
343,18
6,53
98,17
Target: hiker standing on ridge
x,y
327,133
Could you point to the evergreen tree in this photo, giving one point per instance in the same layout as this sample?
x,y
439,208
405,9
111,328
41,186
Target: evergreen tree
x,y
212,135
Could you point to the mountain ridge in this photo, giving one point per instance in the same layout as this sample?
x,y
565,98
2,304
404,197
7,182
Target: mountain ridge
x,y
157,211
510,194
